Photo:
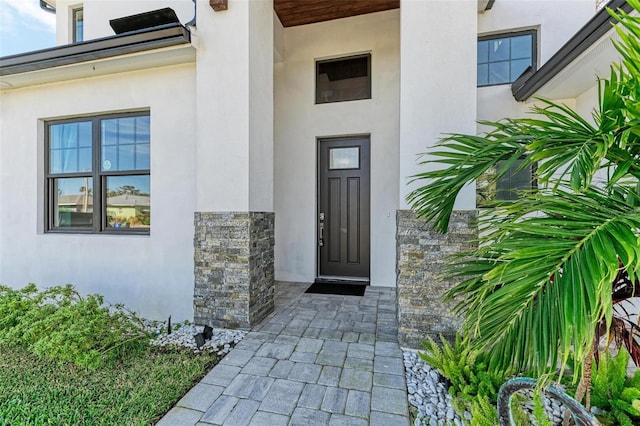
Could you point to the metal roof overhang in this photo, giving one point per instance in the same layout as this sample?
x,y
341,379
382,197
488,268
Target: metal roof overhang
x,y
575,67
163,45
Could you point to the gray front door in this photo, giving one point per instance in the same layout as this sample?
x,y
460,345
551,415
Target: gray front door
x,y
343,207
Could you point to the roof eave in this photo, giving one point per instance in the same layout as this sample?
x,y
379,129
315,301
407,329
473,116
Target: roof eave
x,y
107,47
602,22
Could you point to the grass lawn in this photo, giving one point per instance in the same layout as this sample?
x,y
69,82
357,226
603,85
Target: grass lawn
x,y
138,390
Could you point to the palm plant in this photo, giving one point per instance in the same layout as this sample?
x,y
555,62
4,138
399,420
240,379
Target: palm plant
x,y
552,266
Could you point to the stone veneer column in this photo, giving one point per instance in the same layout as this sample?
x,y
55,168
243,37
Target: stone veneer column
x,y
421,255
234,273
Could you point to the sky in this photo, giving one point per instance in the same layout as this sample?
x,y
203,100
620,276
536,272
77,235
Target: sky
x,y
25,27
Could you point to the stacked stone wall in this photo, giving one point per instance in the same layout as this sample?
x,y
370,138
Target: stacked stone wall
x,y
421,258
233,268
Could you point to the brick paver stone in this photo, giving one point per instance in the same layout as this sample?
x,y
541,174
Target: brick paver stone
x,y
249,386
259,366
358,404
341,420
242,412
356,379
305,372
312,396
389,400
386,419
180,416
389,380
200,397
281,369
330,376
283,397
237,357
389,365
220,410
308,417
262,418
334,400
275,350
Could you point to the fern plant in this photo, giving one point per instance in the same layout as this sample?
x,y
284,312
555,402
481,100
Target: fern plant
x,y
613,392
467,371
483,412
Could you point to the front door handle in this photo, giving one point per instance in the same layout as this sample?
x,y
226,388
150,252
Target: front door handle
x,y
321,234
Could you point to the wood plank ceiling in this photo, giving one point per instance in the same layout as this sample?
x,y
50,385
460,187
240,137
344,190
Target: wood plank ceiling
x,y
302,12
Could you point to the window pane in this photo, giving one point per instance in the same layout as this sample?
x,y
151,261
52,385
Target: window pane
x,y
84,159
483,51
513,181
343,80
483,74
109,158
518,67
78,25
109,133
499,49
69,147
521,47
128,202
142,156
126,130
72,200
499,72
125,144
344,158
507,58
142,129
125,157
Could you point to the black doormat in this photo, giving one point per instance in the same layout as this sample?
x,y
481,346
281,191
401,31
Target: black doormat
x,y
337,288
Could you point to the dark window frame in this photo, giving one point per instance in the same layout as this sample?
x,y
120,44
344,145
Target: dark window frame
x,y
533,187
97,175
74,22
512,34
320,62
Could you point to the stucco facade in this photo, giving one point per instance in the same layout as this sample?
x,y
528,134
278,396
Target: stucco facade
x,y
235,128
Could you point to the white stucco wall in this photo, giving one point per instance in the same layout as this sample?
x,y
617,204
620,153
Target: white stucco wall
x,y
556,21
235,107
438,89
97,14
298,122
152,274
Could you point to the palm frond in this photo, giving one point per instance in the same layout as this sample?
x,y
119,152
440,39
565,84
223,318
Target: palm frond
x,y
530,292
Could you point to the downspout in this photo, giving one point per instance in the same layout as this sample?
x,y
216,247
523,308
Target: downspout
x,y
47,7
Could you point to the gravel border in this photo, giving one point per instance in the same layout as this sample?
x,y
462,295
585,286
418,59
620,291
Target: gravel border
x,y
221,342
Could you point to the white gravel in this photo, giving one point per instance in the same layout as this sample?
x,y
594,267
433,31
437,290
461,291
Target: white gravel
x,y
183,335
428,391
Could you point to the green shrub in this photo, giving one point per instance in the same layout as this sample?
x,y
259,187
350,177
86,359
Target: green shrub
x,y
613,392
467,371
58,323
483,412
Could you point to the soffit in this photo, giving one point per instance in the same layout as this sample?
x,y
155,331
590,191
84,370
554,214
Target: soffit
x,y
583,73
302,12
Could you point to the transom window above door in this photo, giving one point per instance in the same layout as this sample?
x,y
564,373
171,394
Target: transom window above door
x,y
503,58
343,79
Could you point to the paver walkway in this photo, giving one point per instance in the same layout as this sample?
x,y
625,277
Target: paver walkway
x,y
317,360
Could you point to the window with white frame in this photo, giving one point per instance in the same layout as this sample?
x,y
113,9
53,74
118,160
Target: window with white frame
x,y
503,58
98,174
